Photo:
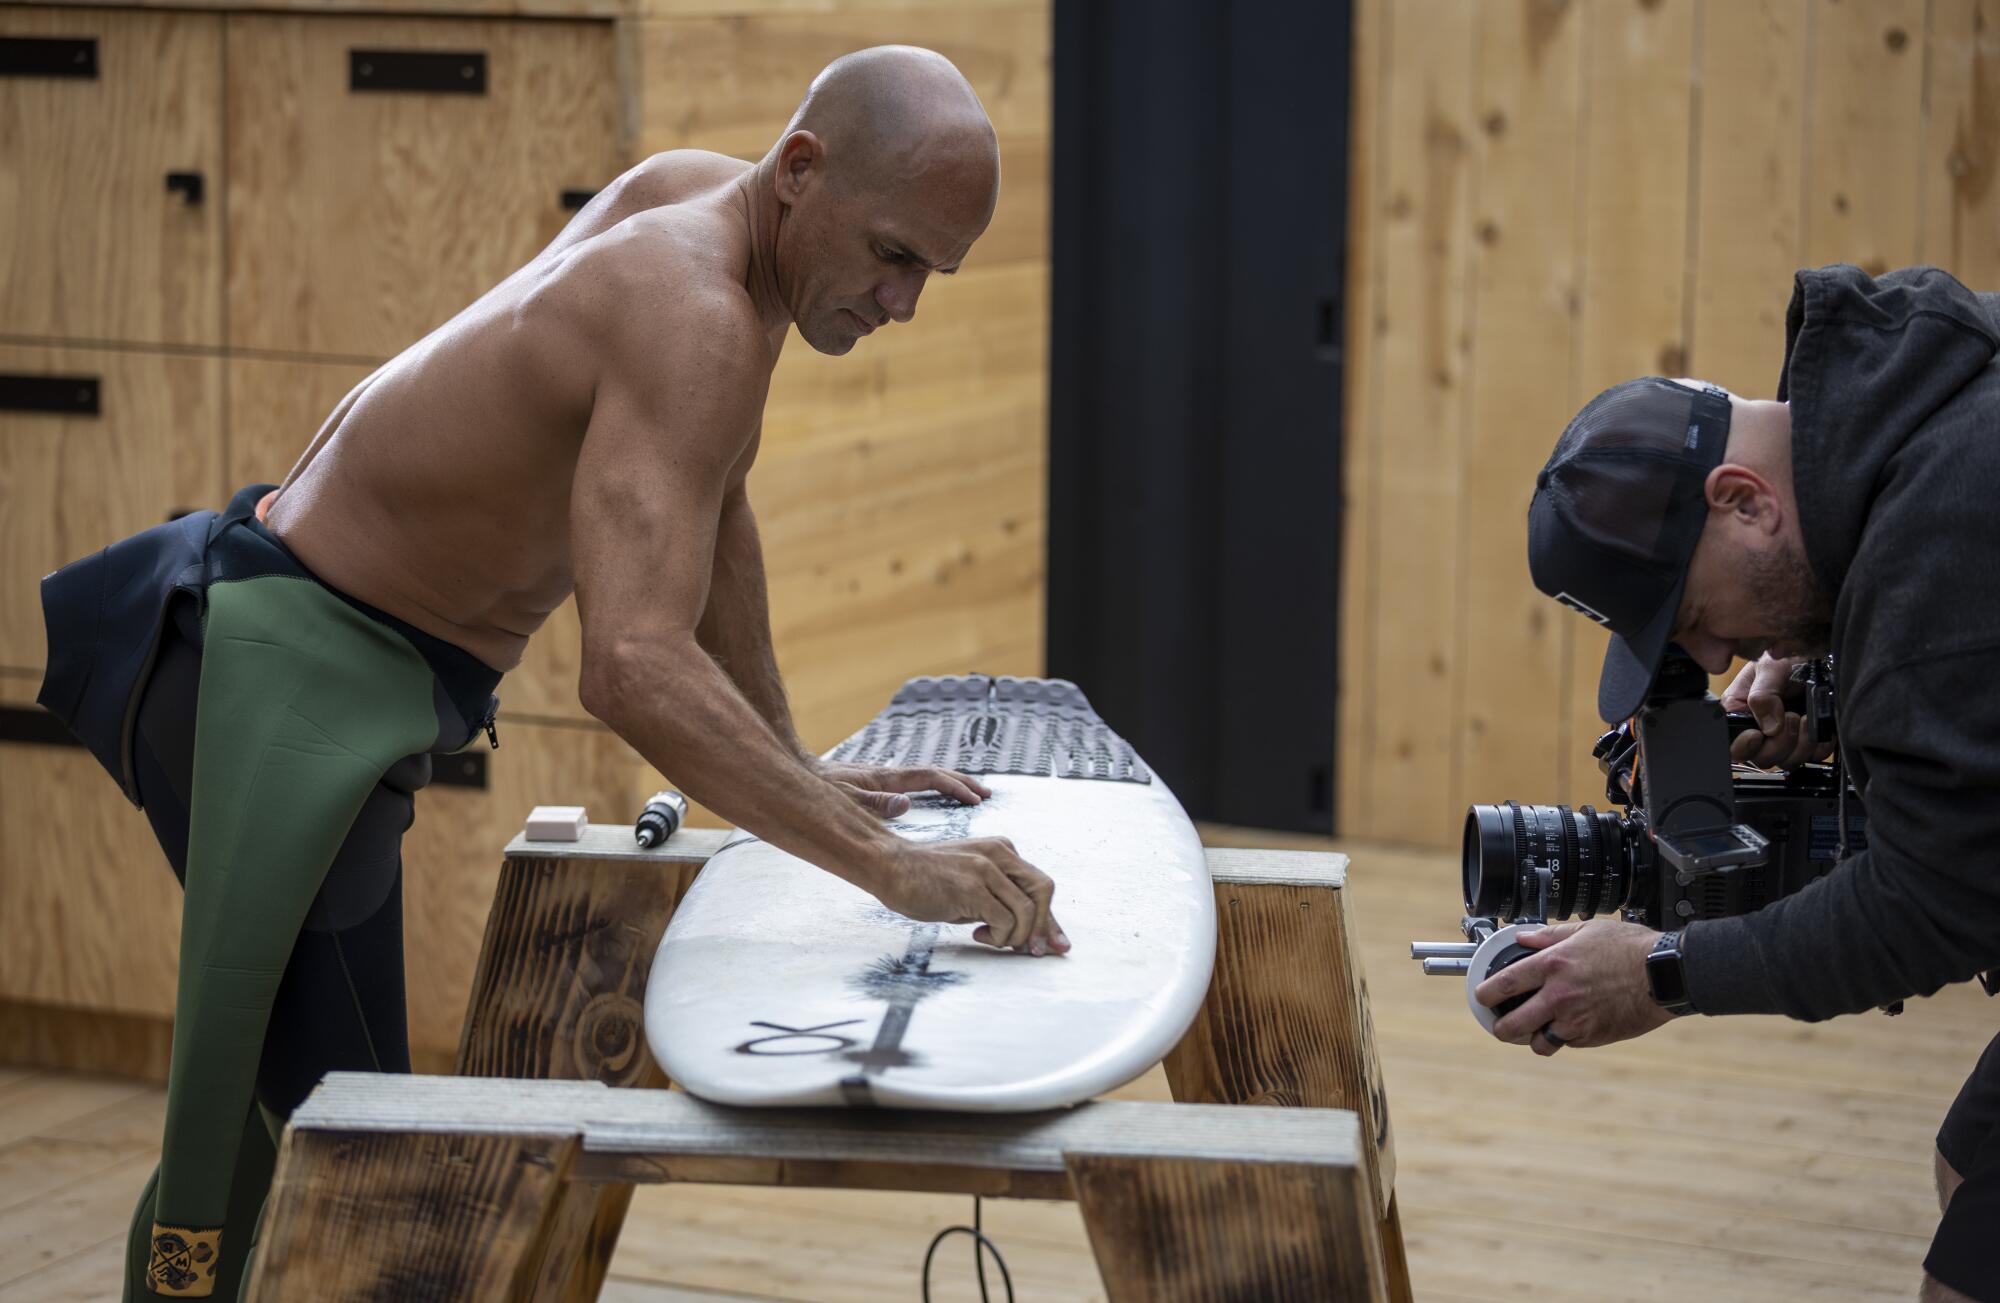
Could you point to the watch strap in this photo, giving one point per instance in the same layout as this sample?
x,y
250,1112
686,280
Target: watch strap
x,y
1667,952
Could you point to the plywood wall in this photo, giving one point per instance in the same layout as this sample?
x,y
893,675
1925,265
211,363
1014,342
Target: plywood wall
x,y
1552,196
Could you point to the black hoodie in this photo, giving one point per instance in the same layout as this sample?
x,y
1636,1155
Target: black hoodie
x,y
1895,396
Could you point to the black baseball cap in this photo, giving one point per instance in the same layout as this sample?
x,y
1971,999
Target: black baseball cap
x,y
1616,515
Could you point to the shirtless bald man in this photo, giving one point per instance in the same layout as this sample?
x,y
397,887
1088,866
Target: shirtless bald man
x,y
589,425
585,426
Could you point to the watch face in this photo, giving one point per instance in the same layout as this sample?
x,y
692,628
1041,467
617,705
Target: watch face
x,y
1663,974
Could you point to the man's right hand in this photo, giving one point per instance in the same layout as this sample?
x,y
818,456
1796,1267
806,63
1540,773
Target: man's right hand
x,y
1765,688
979,881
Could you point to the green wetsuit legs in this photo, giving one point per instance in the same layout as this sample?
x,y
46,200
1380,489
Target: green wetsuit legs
x,y
304,704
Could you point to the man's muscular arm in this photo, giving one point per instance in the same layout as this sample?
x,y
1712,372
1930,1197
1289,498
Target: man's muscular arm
x,y
735,629
735,626
676,405
671,419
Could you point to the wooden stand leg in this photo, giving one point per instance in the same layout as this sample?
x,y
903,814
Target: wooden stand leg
x,y
1395,1257
560,994
1286,1021
1170,1229
382,1215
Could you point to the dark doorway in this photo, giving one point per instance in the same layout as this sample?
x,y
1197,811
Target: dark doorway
x,y
1200,176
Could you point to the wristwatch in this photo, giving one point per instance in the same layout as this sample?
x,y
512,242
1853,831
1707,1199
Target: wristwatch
x,y
1666,975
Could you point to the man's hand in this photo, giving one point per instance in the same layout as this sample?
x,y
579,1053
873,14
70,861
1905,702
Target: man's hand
x,y
979,881
880,788
1592,980
1765,689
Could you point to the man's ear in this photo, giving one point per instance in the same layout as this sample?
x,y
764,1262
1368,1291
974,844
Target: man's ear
x,y
1735,491
799,157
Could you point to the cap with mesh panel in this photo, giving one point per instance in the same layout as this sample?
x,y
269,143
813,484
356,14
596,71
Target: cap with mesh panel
x,y
1615,517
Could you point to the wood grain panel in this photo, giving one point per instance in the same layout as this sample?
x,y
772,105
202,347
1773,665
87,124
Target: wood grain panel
x,y
899,495
1286,1019
97,247
361,221
1522,325
137,1047
1961,162
474,8
451,856
731,83
1863,142
70,485
1425,243
560,993
1637,110
365,1215
1191,1231
1360,419
820,9
93,912
1749,170
544,685
275,408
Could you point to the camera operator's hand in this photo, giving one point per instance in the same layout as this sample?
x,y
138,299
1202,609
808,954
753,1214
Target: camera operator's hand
x,y
1592,986
1765,689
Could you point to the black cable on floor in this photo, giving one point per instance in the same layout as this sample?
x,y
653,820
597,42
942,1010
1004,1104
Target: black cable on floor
x,y
981,1246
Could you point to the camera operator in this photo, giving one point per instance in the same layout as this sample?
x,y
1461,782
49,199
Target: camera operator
x,y
1858,514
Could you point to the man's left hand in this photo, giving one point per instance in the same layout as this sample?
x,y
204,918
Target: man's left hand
x,y
881,788
1592,980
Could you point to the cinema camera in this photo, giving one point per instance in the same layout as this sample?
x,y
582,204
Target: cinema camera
x,y
1699,837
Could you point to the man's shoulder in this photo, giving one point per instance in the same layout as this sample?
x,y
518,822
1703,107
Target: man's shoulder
x,y
675,175
662,280
1922,585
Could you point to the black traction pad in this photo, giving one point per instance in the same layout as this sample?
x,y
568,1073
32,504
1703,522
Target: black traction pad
x,y
980,725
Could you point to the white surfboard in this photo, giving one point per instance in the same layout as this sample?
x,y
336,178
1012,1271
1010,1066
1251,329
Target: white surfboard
x,y
779,984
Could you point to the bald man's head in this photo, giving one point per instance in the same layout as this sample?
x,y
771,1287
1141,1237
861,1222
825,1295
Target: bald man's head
x,y
888,171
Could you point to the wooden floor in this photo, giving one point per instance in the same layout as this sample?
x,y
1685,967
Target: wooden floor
x,y
1739,1159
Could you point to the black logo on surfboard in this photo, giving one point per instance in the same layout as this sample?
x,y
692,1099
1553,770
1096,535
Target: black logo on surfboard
x,y
822,1033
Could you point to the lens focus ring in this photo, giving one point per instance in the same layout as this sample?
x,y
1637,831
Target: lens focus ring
x,y
1503,844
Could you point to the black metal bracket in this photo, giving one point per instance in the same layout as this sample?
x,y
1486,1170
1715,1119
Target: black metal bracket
x,y
190,186
427,72
48,56
460,769
57,395
34,726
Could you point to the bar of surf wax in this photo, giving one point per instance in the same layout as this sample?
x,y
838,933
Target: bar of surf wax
x,y
556,823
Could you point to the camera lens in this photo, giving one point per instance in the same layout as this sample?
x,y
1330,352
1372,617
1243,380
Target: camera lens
x,y
1584,850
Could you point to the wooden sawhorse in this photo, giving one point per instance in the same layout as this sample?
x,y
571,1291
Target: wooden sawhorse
x,y
439,1188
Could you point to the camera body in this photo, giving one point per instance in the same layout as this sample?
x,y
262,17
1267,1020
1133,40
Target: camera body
x,y
1697,836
